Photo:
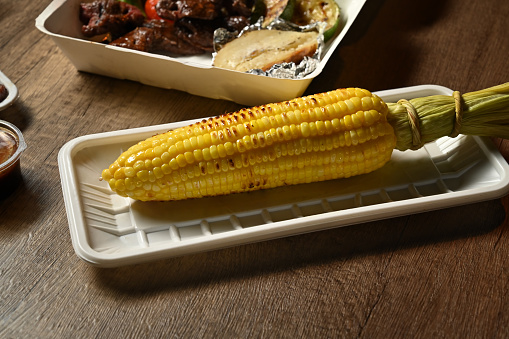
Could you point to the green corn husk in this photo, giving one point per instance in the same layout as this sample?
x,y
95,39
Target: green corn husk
x,y
484,113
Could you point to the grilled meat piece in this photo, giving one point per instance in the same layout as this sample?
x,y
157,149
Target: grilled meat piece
x,y
197,9
199,33
234,12
162,37
239,7
235,23
109,16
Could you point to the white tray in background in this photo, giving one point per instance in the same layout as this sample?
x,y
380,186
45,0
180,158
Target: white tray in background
x,y
108,230
11,88
192,74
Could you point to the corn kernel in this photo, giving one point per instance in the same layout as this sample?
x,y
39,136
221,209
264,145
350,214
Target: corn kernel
x,y
142,175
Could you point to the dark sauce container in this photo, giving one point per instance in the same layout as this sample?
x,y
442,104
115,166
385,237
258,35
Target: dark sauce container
x,y
12,144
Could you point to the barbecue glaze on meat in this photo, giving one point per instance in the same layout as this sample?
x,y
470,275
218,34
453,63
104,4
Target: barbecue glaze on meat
x,y
109,16
187,29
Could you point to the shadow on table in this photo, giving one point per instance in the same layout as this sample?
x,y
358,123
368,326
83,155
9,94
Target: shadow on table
x,y
280,255
380,50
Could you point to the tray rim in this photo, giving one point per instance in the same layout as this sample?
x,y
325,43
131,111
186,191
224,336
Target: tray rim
x,y
11,88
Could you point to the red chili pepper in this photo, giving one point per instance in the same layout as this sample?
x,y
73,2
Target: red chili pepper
x,y
150,9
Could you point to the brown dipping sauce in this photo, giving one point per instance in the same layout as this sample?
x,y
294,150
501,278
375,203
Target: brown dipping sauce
x,y
8,145
3,92
10,175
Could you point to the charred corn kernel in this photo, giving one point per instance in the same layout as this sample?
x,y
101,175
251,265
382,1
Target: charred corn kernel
x,y
319,137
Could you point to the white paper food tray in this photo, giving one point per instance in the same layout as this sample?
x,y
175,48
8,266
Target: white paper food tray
x,y
108,230
193,74
11,88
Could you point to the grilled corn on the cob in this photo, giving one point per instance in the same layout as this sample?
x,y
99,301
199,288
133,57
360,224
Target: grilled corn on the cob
x,y
325,136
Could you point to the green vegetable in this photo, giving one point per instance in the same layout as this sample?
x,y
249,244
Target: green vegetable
x,y
311,11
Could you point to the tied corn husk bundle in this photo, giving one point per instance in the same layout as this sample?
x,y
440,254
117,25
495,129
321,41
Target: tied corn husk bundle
x,y
422,120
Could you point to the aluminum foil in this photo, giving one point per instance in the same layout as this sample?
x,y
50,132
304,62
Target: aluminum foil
x,y
284,70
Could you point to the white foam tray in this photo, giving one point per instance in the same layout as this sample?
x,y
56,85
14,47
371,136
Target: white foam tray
x,y
108,230
11,88
194,74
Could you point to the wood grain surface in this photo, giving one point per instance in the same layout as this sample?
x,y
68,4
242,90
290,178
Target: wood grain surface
x,y
439,274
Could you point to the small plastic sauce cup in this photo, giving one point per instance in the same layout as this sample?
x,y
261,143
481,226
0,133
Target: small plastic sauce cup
x,y
12,144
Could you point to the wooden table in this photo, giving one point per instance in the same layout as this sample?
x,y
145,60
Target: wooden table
x,y
437,274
